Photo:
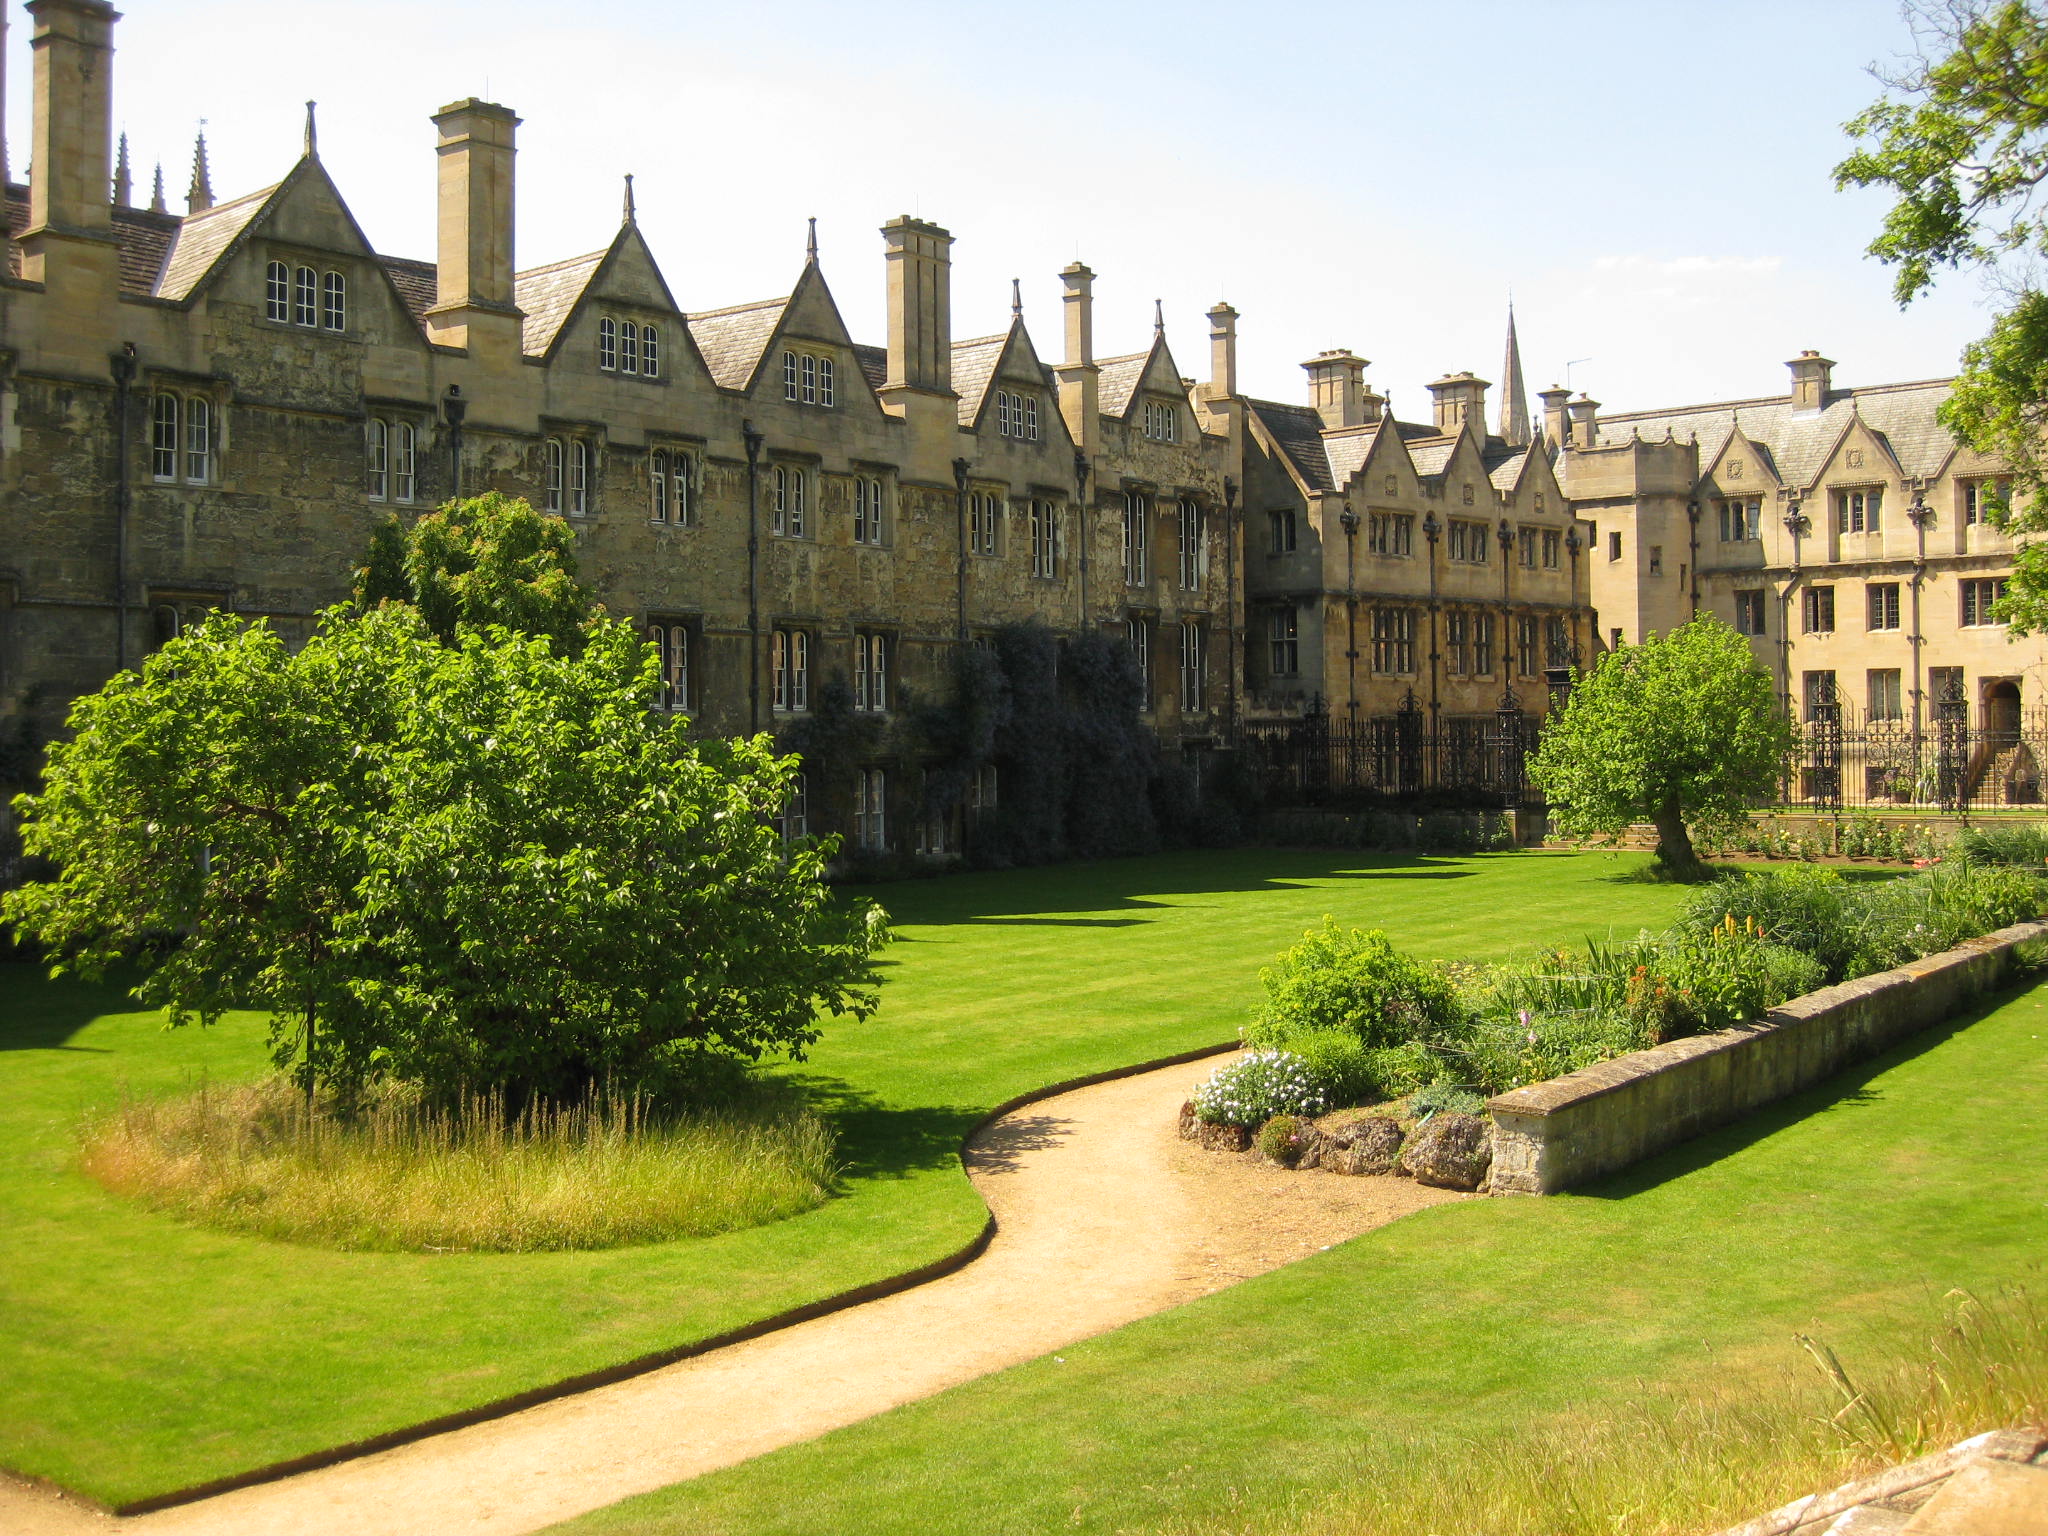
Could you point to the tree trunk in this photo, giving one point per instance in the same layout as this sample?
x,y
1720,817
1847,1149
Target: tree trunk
x,y
1674,844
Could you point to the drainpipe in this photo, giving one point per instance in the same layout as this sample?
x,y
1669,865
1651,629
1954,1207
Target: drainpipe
x,y
1084,527
1349,519
454,407
1432,530
1692,550
1230,603
1797,525
753,440
1572,547
960,468
1921,516
1506,536
122,365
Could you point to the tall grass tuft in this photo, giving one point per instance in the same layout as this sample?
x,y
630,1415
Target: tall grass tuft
x,y
398,1174
1659,1468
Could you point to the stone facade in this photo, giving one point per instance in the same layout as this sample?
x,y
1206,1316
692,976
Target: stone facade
x,y
1842,529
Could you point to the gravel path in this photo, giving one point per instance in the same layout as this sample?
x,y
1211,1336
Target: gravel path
x,y
1103,1216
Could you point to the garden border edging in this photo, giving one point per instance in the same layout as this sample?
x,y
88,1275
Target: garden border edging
x,y
605,1376
1553,1135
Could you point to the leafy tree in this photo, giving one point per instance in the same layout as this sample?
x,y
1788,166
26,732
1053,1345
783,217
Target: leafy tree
x,y
485,865
490,559
1962,142
1684,731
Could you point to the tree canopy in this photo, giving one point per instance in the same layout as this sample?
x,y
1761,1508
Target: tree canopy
x,y
487,560
1961,142
482,864
1684,731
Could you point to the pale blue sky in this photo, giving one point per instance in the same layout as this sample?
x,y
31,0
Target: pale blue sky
x,y
1651,180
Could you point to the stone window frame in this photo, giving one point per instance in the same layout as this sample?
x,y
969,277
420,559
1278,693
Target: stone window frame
x,y
1044,521
1393,640
1191,543
871,810
810,378
793,819
672,486
1390,535
1970,493
1884,694
985,524
1752,613
1740,517
789,501
1858,509
676,638
196,434
1283,642
1881,606
873,659
1468,542
571,474
1137,536
873,500
1282,531
789,665
1138,641
1161,421
628,348
1194,666
391,459
1017,415
305,295
1817,610
1976,595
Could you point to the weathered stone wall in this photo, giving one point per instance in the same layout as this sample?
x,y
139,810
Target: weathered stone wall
x,y
1552,1136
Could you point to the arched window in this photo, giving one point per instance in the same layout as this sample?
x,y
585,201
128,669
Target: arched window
x,y
607,343
198,440
657,473
650,352
789,388
824,381
579,478
306,297
404,461
163,438
790,662
334,302
672,643
377,452
277,292
552,494
629,348
685,503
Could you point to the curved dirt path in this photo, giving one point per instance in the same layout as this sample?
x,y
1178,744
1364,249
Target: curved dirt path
x,y
1103,1216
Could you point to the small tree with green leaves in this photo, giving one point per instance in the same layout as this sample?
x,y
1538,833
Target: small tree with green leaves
x,y
1684,731
484,866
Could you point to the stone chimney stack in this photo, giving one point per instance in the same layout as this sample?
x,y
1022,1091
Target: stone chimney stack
x,y
1336,387
473,287
1080,380
920,262
1460,401
1222,351
1811,376
1556,428
1585,422
71,157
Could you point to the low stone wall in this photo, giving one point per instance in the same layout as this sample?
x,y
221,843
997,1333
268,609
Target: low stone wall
x,y
1551,1136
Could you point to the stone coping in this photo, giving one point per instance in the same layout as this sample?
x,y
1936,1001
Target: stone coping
x,y
1551,1135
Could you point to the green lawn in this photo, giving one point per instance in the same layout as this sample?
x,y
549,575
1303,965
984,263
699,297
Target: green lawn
x,y
138,1355
1844,1213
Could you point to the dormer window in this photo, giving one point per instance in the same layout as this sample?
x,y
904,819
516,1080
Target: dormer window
x,y
1162,422
1017,415
304,296
1857,511
624,346
608,344
808,378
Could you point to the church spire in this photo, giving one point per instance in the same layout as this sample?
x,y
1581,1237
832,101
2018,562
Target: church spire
x,y
124,183
199,196
1514,398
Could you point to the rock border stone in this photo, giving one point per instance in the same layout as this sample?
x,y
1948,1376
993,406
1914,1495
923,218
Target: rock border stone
x,y
1554,1135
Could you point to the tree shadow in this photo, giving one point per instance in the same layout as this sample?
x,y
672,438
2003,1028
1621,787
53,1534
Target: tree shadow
x,y
878,1140
1001,1148
41,1014
1848,1090
1138,884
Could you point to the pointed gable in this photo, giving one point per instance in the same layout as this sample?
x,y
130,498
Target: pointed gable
x,y
978,364
548,296
1741,466
204,239
1294,433
1859,453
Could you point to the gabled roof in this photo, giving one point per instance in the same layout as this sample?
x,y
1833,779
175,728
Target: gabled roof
x,y
548,296
1118,379
1297,432
1431,454
732,340
415,281
1504,466
974,368
873,362
204,238
1799,442
1348,450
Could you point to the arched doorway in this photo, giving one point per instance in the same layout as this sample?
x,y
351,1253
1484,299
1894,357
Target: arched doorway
x,y
2002,708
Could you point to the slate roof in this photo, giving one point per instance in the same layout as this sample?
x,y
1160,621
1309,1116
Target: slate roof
x,y
414,280
1118,381
1431,453
143,238
548,294
732,340
873,362
1347,450
1298,432
1798,442
974,368
1504,467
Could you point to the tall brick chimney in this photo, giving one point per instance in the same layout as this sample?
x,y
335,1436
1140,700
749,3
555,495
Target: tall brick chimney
x,y
473,287
1460,399
920,263
1336,387
1080,380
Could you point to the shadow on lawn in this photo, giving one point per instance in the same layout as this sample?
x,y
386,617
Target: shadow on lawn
x,y
878,1140
1137,883
38,1014
1847,1090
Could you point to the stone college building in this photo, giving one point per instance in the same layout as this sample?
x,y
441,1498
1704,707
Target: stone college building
x,y
211,409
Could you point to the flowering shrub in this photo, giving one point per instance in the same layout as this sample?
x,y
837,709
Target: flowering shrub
x,y
1256,1087
1283,1139
1354,981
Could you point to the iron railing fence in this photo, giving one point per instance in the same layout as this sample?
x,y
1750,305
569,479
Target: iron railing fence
x,y
1320,758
